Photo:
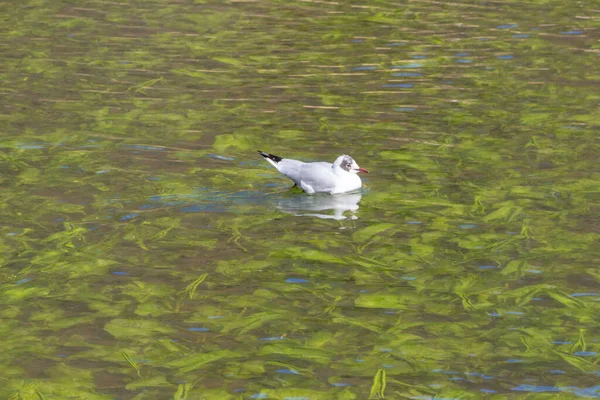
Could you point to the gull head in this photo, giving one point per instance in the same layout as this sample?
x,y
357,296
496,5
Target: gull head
x,y
348,164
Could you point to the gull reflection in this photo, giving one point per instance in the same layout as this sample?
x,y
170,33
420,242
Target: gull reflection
x,y
305,206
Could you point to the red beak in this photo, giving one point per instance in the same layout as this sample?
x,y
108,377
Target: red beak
x,y
363,170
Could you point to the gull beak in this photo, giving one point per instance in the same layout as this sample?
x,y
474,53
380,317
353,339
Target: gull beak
x,y
363,170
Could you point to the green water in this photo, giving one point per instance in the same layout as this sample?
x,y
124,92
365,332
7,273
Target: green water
x,y
148,251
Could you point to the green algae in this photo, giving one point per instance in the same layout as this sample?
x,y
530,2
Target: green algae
x,y
145,248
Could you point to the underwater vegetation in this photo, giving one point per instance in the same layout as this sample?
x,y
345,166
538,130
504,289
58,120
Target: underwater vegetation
x,y
148,252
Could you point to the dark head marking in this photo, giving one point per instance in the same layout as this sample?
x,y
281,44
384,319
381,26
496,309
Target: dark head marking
x,y
270,156
347,163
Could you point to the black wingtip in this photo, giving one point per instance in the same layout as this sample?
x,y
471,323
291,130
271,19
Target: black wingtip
x,y
270,156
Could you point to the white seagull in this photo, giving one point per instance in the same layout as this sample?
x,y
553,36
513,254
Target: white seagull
x,y
320,177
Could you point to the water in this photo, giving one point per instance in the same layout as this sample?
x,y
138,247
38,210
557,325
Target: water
x,y
149,252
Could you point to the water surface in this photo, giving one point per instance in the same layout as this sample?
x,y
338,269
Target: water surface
x,y
150,253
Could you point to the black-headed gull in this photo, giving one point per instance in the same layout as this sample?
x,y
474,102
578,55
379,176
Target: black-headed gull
x,y
320,177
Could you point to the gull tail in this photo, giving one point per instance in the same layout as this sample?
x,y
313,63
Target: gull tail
x,y
271,158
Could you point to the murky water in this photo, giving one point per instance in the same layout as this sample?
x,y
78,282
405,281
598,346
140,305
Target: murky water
x,y
148,251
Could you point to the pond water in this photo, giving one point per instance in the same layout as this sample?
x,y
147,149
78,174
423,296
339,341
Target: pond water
x,y
148,251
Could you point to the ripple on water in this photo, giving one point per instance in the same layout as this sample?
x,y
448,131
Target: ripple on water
x,y
296,280
398,85
411,65
573,32
288,371
535,388
219,157
128,217
407,74
507,26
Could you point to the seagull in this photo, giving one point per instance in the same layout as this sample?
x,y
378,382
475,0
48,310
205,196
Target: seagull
x,y
319,177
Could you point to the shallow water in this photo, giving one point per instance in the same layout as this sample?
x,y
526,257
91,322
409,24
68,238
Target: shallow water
x,y
150,253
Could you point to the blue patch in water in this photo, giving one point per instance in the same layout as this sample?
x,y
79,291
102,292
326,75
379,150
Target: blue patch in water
x,y
240,390
153,178
557,371
408,278
487,267
515,313
463,54
357,40
505,57
387,366
585,353
478,374
64,167
521,35
147,207
24,280
514,360
144,147
259,396
398,85
493,314
129,216
405,109
535,388
413,222
487,391
341,384
198,329
61,219
593,392
584,294
419,57
365,68
561,342
296,280
385,350
467,226
573,32
222,158
464,60
407,74
30,146
215,316
507,26
273,338
121,273
411,65
288,371
103,171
